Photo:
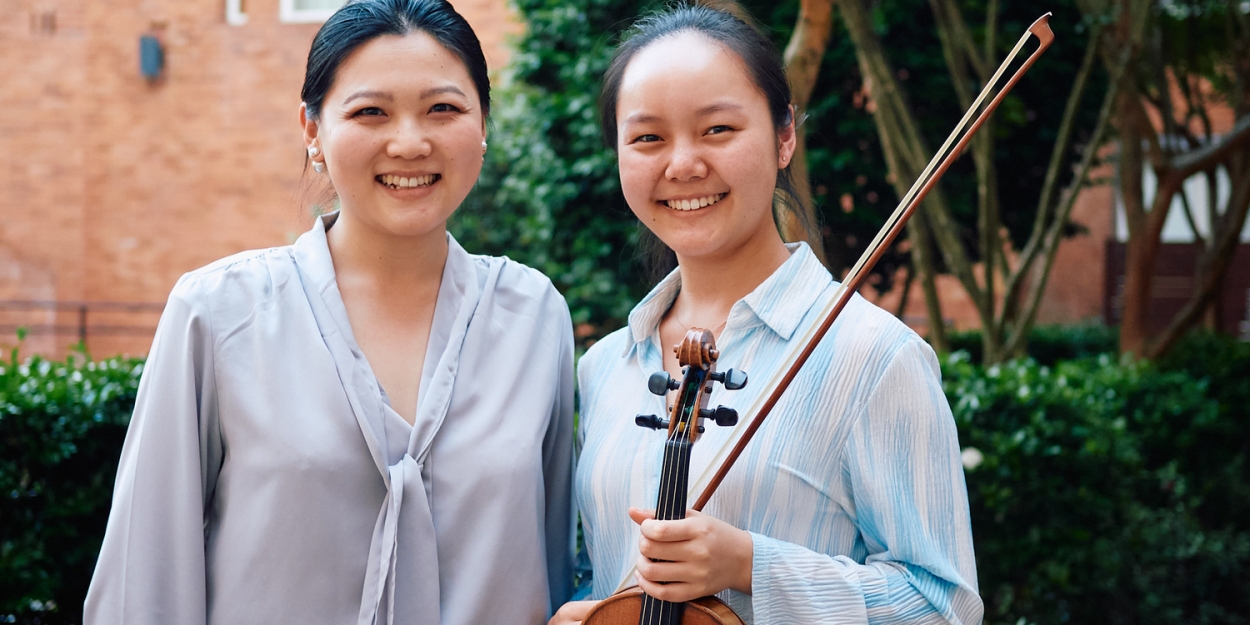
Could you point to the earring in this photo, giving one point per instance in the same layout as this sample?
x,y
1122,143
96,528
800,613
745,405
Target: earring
x,y
483,145
319,167
313,151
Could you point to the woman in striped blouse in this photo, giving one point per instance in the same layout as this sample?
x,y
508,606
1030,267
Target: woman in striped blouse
x,y
849,506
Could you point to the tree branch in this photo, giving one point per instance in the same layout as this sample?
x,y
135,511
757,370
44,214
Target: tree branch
x,y
1047,204
1051,242
803,55
897,125
1193,161
1212,266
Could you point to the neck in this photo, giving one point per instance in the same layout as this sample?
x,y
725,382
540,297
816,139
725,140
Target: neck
x,y
363,251
710,285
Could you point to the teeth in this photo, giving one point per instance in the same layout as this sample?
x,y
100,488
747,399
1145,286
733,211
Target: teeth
x,y
401,182
689,205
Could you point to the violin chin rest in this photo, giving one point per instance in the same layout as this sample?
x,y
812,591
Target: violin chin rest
x,y
625,608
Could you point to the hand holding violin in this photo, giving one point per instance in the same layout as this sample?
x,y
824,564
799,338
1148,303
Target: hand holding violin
x,y
693,557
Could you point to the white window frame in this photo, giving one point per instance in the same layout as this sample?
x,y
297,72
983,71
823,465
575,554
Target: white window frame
x,y
291,15
234,13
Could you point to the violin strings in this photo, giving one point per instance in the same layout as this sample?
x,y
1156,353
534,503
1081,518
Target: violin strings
x,y
664,507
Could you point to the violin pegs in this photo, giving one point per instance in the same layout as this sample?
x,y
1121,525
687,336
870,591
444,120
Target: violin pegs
x,y
723,416
660,383
650,422
733,379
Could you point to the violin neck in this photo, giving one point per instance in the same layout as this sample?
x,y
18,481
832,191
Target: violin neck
x,y
670,506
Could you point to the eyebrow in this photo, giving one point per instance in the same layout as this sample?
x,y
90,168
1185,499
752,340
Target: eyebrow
x,y
641,118
445,89
382,95
715,107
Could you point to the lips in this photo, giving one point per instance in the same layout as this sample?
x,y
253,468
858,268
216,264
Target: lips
x,y
695,203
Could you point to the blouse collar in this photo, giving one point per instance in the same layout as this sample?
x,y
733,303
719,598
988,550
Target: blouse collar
x,y
312,252
779,302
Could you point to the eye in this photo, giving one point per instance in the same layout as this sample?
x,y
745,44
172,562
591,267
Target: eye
x,y
716,130
444,107
369,111
645,139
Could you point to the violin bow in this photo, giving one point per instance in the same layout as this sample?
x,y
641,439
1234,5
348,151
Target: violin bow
x,y
941,161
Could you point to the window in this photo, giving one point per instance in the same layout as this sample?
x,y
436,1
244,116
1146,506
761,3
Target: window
x,y
308,11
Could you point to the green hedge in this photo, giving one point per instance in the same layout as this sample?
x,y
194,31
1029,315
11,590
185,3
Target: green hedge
x,y
1104,493
1050,344
61,431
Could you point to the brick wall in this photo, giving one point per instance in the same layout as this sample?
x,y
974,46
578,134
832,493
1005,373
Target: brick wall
x,y
111,187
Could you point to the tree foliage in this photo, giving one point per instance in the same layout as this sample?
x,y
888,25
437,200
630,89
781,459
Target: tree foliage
x,y
1186,58
549,195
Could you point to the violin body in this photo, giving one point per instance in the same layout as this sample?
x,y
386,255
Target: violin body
x,y
625,608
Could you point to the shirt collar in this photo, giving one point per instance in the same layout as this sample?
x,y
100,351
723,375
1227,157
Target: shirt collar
x,y
779,302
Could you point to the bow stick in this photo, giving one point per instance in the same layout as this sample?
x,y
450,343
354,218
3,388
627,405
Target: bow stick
x,y
937,166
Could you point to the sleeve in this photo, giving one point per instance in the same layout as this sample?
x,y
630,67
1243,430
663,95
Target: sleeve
x,y
558,472
151,567
908,496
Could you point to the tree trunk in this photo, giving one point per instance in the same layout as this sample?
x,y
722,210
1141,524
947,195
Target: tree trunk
x,y
803,55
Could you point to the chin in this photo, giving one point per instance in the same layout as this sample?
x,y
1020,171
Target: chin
x,y
417,224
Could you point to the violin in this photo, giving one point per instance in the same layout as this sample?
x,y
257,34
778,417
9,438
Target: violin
x,y
697,353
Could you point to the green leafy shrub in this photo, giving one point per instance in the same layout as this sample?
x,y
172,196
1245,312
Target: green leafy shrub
x,y
1050,344
61,430
1105,492
1087,505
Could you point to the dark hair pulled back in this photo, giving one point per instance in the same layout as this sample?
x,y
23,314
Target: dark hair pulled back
x,y
361,21
763,63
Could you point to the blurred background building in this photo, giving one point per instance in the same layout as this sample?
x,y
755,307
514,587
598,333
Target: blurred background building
x,y
113,183
140,139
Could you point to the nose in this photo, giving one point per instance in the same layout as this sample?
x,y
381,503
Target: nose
x,y
409,142
685,163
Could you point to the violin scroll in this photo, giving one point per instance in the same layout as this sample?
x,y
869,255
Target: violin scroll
x,y
698,349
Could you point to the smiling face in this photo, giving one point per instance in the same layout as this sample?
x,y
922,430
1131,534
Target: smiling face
x,y
401,133
697,149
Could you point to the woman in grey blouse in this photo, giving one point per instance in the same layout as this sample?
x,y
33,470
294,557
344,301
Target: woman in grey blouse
x,y
849,504
370,425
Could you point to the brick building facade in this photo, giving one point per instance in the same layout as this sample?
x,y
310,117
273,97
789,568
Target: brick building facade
x,y
112,186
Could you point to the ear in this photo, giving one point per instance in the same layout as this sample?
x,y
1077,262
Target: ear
x,y
787,141
309,125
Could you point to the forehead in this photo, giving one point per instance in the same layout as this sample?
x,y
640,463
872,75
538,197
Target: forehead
x,y
396,62
684,68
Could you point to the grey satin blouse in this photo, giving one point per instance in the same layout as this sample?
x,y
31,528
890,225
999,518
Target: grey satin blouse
x,y
265,478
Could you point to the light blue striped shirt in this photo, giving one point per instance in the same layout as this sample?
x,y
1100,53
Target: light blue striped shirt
x,y
852,490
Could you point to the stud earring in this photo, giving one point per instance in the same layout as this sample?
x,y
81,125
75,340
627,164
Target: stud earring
x,y
319,167
313,151
483,145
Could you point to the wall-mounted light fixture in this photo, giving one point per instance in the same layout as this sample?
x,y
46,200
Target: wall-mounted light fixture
x,y
151,57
